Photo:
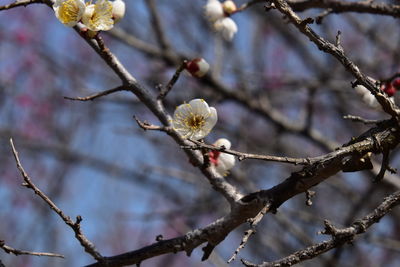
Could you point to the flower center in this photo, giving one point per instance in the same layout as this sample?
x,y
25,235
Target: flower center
x,y
68,11
195,122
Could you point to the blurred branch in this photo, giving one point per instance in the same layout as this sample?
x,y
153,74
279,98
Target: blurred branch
x,y
75,226
25,3
339,236
360,119
18,252
342,6
157,25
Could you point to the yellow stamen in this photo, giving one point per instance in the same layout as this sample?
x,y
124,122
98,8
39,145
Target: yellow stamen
x,y
68,11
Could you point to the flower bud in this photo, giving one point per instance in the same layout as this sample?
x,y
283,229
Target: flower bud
x,y
197,67
388,88
229,7
222,162
396,83
118,10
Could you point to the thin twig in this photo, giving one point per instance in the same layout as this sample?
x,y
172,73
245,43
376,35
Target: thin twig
x,y
242,156
147,126
172,82
253,224
18,252
322,15
22,3
89,247
99,94
360,119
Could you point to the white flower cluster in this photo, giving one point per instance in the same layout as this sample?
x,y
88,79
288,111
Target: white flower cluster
x,y
100,16
195,120
218,14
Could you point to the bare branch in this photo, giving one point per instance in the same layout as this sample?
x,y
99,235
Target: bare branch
x,y
23,3
360,119
342,6
172,82
89,247
339,236
253,223
99,94
242,156
147,126
18,252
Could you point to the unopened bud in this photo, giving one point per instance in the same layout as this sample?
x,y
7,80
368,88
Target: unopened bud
x,y
396,83
229,7
388,88
198,67
118,10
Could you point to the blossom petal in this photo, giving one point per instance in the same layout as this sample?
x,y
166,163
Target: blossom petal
x,y
200,106
211,120
99,17
213,10
69,12
227,27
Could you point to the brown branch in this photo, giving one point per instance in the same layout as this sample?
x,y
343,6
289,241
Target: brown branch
x,y
339,236
18,252
360,119
89,247
253,224
171,83
242,156
23,3
99,94
147,126
342,6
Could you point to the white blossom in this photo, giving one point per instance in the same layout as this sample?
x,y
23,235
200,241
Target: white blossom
x,y
195,119
222,162
213,10
99,16
118,10
227,27
69,12
198,67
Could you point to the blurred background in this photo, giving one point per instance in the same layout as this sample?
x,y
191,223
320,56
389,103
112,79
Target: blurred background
x,y
275,92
